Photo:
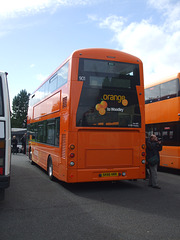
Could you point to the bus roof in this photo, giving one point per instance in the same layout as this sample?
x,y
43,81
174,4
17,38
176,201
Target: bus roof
x,y
162,80
105,53
102,53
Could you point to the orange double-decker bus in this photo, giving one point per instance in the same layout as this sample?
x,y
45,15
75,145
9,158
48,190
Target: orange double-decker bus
x,y
162,115
86,122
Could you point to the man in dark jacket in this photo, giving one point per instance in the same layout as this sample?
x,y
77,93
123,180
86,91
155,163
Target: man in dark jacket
x,y
14,144
23,140
152,149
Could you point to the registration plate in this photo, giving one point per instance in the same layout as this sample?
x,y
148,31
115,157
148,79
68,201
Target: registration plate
x,y
109,174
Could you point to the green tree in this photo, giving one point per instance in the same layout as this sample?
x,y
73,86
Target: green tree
x,y
19,110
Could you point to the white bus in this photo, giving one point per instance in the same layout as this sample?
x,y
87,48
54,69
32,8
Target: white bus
x,y
5,135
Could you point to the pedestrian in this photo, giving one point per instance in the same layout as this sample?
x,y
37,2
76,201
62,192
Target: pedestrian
x,y
14,144
152,150
23,140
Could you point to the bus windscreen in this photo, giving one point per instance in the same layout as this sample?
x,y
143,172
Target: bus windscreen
x,y
109,96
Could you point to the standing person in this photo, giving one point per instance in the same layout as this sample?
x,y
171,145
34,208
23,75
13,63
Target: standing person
x,y
23,140
152,150
14,143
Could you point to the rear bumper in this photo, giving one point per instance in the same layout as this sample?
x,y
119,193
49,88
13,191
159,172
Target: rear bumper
x,y
115,174
4,181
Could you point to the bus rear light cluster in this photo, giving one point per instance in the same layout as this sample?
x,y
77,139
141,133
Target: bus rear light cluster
x,y
1,170
143,154
72,163
72,155
143,146
72,147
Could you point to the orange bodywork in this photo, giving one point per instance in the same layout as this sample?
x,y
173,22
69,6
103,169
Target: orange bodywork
x,y
162,111
165,111
99,154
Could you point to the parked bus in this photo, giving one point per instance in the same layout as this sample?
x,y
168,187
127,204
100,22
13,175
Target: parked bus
x,y
86,122
5,134
162,116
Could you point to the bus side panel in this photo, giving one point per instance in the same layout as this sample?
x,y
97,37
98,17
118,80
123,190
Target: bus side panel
x,y
5,133
165,111
8,126
48,106
162,111
41,153
140,93
170,157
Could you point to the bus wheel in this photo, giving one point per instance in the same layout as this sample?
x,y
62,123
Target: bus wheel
x,y
30,157
50,168
30,154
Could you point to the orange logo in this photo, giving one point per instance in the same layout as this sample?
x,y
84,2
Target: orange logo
x,y
125,102
101,107
119,98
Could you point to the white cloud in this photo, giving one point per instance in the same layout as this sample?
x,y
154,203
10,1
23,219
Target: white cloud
x,y
157,45
114,22
170,10
14,8
10,9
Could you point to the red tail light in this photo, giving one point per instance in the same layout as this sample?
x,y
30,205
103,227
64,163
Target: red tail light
x,y
72,155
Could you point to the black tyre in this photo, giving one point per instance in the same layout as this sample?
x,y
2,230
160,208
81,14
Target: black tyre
x,y
50,169
30,157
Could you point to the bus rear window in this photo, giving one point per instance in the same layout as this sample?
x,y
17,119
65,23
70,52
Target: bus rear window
x,y
1,99
109,97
